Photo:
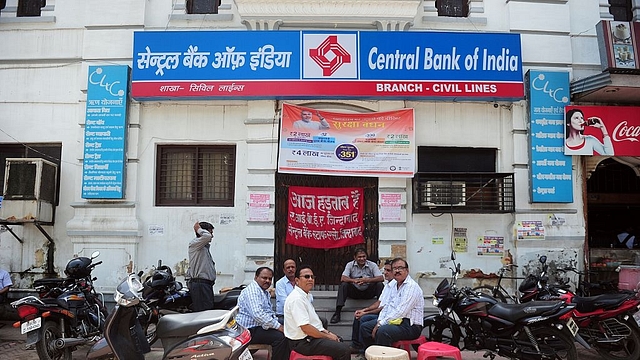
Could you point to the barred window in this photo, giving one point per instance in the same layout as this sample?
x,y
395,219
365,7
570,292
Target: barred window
x,y
202,6
195,175
453,8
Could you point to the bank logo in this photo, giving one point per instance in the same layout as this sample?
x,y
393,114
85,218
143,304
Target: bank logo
x,y
331,56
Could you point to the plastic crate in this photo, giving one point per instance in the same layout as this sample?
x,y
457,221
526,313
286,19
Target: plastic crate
x,y
629,277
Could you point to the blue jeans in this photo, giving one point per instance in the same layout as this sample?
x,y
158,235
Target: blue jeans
x,y
388,334
356,337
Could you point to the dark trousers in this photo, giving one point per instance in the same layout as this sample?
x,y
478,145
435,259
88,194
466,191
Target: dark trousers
x,y
356,338
388,334
201,295
311,346
348,290
279,343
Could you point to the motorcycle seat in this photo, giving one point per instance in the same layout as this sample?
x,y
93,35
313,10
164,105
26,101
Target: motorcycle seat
x,y
183,325
515,312
604,301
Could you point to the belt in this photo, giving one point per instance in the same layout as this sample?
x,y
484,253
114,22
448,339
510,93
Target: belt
x,y
201,281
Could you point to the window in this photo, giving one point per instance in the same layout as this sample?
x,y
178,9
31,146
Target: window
x,y
621,10
461,180
50,152
195,175
453,8
202,6
30,7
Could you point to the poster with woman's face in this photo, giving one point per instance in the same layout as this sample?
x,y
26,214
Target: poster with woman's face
x,y
602,130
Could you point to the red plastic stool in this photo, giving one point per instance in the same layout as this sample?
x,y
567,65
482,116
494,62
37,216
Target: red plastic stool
x,y
431,350
297,356
406,344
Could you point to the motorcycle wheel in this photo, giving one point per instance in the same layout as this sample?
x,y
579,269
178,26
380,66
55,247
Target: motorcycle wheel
x,y
553,344
626,349
150,332
442,330
45,348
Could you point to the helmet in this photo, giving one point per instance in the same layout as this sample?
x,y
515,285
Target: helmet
x,y
162,277
78,268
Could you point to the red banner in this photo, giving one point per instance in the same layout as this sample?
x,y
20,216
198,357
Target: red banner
x,y
325,218
602,130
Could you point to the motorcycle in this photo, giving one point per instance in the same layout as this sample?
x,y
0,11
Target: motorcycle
x,y
537,330
164,295
210,334
67,312
605,322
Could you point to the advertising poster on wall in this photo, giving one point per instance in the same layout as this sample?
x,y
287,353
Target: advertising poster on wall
x,y
491,245
530,230
325,218
390,207
331,143
460,242
602,130
259,207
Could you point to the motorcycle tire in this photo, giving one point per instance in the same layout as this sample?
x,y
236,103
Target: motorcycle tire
x,y
442,330
553,344
626,349
45,349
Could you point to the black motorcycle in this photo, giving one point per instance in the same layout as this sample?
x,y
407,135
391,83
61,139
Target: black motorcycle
x,y
210,334
536,330
67,313
164,295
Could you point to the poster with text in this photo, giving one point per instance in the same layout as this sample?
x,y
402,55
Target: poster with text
x,y
491,245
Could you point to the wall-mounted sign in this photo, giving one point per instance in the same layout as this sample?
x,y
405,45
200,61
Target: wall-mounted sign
x,y
618,45
312,64
105,132
551,176
602,130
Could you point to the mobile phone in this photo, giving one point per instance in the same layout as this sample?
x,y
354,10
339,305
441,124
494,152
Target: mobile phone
x,y
591,121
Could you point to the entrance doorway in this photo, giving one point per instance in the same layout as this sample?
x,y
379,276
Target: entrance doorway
x,y
327,264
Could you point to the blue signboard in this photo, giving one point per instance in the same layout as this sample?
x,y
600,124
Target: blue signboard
x,y
551,176
347,64
105,132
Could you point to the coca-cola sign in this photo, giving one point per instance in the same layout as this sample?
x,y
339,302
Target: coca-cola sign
x,y
602,130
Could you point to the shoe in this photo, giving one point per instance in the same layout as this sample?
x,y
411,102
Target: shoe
x,y
360,356
335,318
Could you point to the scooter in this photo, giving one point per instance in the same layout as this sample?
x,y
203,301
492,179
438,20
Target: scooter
x,y
211,334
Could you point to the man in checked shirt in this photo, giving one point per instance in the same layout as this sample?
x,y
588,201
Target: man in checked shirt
x,y
257,315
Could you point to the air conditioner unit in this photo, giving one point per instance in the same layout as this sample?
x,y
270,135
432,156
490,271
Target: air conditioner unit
x,y
29,190
443,193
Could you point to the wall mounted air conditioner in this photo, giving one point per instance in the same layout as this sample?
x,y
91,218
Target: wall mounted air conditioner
x,y
443,193
29,190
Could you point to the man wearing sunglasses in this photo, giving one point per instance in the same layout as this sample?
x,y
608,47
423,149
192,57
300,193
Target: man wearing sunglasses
x,y
402,310
303,327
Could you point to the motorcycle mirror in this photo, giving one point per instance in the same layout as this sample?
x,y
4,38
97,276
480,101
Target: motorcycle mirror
x,y
453,255
543,259
95,254
458,268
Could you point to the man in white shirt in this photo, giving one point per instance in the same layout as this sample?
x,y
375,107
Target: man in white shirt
x,y
303,327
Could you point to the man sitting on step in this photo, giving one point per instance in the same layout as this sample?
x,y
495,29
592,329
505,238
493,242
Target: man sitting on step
x,y
361,279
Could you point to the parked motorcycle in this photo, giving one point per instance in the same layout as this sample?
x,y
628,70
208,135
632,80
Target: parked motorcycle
x,y
210,334
537,330
605,321
67,312
164,295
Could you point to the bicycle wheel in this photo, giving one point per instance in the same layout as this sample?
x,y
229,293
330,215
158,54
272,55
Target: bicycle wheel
x,y
489,290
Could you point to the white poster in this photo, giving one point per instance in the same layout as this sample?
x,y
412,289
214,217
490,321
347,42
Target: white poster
x,y
259,207
390,207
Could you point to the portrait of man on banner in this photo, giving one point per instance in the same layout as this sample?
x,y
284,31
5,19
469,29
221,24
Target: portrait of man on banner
x,y
325,218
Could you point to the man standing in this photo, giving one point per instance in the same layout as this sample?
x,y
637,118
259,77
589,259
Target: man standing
x,y
201,274
307,123
371,311
256,315
284,286
361,279
402,310
303,327
5,284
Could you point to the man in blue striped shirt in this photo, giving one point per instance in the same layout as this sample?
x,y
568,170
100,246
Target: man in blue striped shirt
x,y
257,315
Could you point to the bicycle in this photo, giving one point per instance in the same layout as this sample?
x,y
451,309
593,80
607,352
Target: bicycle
x,y
498,291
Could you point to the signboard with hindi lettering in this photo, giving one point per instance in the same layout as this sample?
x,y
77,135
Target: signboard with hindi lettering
x,y
312,64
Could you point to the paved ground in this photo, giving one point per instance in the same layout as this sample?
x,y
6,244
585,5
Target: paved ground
x,y
12,348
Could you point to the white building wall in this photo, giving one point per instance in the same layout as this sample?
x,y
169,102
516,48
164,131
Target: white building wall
x,y
43,81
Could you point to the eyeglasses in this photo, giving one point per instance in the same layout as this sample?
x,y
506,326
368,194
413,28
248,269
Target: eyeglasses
x,y
307,276
399,268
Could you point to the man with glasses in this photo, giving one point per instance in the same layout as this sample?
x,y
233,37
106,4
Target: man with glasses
x,y
402,310
302,325
370,312
361,279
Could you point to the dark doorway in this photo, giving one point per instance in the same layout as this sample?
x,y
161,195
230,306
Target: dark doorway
x,y
327,264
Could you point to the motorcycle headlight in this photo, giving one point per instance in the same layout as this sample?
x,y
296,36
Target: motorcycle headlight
x,y
436,301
